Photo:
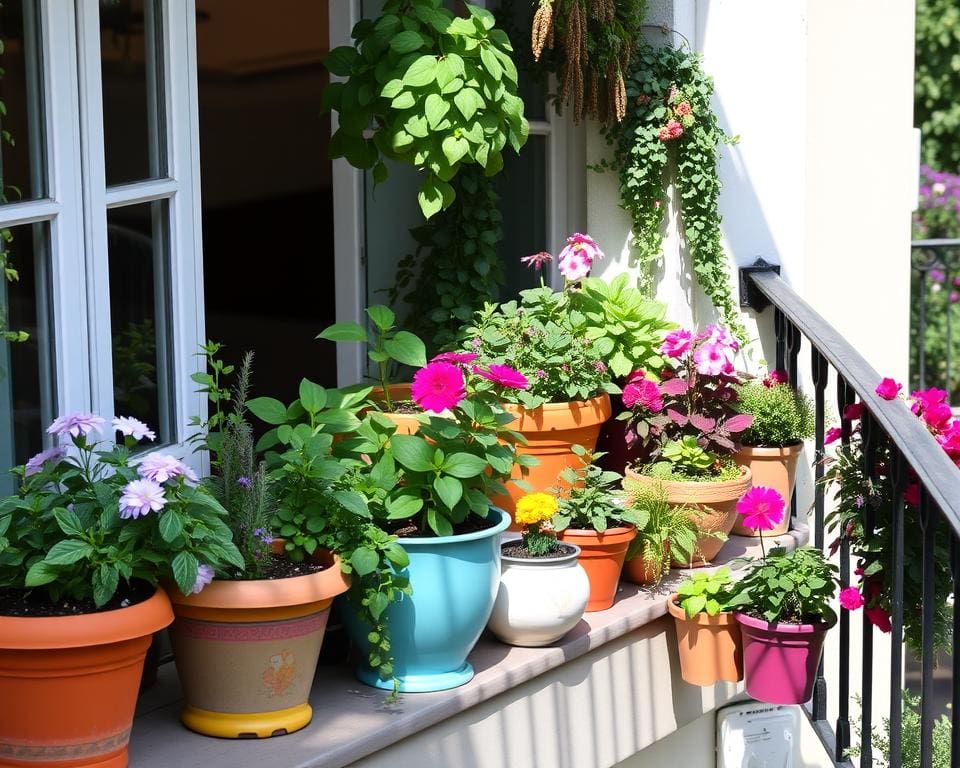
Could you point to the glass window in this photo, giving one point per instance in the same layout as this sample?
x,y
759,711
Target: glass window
x,y
26,380
523,202
130,48
22,163
139,316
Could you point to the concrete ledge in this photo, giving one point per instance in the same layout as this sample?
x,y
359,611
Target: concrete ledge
x,y
352,722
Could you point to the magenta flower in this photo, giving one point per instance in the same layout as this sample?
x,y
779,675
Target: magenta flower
x,y
438,386
458,358
853,411
131,427
577,257
36,463
851,599
645,393
537,260
762,508
503,376
204,576
888,389
774,378
160,467
713,358
676,343
140,497
879,617
76,424
833,434
911,494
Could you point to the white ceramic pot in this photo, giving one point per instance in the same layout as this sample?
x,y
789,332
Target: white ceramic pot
x,y
540,599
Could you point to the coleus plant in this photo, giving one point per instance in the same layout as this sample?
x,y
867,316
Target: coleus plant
x,y
687,418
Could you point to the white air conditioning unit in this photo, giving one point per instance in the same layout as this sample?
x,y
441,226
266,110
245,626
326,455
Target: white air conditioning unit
x,y
754,735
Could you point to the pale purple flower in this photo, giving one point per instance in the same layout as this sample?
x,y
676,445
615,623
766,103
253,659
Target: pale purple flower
x,y
476,342
244,481
600,367
161,467
937,275
204,576
263,535
76,424
141,497
540,373
35,463
131,427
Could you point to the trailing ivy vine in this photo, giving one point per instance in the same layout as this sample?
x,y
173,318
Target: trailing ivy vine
x,y
456,268
672,134
439,91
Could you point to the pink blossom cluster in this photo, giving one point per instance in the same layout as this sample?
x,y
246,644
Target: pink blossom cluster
x,y
643,392
762,508
714,349
678,117
441,384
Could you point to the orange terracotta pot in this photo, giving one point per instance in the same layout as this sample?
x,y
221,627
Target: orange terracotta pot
x,y
69,684
407,423
602,556
717,501
246,651
551,431
640,570
771,468
709,646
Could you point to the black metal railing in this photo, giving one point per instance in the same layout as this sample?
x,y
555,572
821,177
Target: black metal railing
x,y
935,306
914,454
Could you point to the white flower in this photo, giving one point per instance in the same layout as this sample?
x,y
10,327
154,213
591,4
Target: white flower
x,y
131,427
141,497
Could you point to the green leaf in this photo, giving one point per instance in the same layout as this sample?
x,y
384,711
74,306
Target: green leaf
x,y
68,551
468,101
412,452
454,149
439,523
69,521
353,502
343,332
449,489
378,604
397,555
464,465
40,573
340,60
406,348
490,63
185,567
171,525
268,409
422,72
695,604
382,317
403,506
404,100
406,42
435,109
392,89
364,561
105,581
312,396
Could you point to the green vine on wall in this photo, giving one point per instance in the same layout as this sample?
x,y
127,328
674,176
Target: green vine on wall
x,y
456,268
672,134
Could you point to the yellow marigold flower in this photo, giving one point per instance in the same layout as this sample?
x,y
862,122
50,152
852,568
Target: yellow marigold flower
x,y
535,508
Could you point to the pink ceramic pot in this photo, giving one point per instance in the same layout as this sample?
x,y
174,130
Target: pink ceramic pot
x,y
780,660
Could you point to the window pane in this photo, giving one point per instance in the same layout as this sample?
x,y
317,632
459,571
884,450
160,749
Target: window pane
x,y
26,380
22,165
130,46
523,188
139,319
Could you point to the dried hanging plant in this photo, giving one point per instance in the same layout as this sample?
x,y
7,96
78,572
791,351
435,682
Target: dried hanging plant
x,y
588,44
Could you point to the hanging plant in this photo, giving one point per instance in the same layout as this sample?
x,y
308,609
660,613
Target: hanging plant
x,y
589,45
672,135
435,90
456,268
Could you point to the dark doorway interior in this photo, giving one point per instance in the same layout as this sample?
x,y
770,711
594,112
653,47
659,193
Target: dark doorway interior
x,y
266,187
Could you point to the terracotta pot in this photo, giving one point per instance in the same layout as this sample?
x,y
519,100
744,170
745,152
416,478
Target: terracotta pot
x,y
407,423
780,660
246,651
709,646
602,556
640,570
717,500
551,431
68,684
771,468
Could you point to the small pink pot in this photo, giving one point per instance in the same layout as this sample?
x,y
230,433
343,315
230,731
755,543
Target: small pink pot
x,y
780,660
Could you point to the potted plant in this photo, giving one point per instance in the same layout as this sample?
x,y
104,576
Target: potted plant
x,y
772,444
626,329
662,528
543,589
84,543
783,609
684,428
387,348
431,490
246,647
708,636
591,514
546,339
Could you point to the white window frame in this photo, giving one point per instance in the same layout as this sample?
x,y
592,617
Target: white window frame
x,y
564,203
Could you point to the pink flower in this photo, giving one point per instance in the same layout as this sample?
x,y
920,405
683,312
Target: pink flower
x,y
676,343
911,494
537,260
712,359
664,134
204,576
720,335
636,375
950,440
880,618
578,255
76,424
461,358
675,129
762,508
927,398
937,416
684,108
851,599
503,376
36,463
131,427
438,386
888,389
833,434
160,467
853,411
774,378
140,497
644,393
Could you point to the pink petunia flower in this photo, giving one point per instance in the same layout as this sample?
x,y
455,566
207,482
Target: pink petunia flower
x,y
141,497
503,376
36,463
76,424
851,598
205,575
131,427
853,411
762,508
676,343
460,358
888,389
438,386
161,467
833,434
712,359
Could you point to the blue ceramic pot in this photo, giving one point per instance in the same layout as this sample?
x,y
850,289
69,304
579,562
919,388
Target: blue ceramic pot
x,y
455,581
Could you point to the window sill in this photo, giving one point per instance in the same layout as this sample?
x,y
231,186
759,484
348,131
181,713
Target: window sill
x,y
351,721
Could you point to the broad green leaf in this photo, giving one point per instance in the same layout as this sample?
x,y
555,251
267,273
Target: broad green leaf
x,y
185,567
382,317
407,42
449,489
464,465
105,581
406,348
468,101
430,198
435,109
364,561
68,551
68,520
412,452
340,60
312,396
352,501
403,506
268,409
422,72
491,63
343,332
171,525
454,149
439,523
40,573
378,604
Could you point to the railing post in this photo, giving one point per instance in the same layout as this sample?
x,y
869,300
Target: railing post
x,y
820,374
845,397
898,484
